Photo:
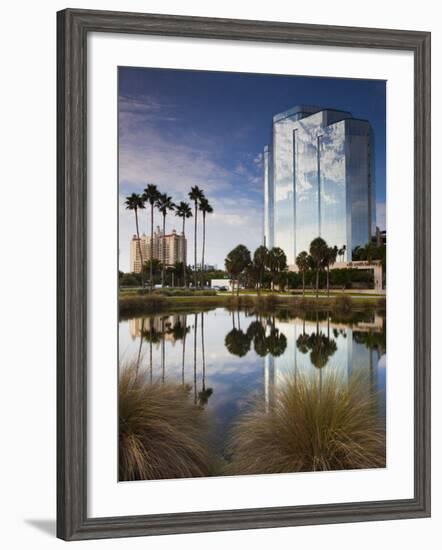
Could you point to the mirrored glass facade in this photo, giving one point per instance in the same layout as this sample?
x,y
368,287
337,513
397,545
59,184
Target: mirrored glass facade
x,y
318,181
268,198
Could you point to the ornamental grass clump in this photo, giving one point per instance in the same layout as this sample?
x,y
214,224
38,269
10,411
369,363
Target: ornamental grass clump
x,y
309,425
162,433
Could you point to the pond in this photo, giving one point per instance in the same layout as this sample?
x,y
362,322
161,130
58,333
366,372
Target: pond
x,y
227,358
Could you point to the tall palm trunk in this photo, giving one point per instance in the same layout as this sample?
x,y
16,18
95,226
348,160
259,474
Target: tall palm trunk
x,y
317,282
184,255
141,344
150,361
194,358
163,250
163,354
139,245
151,247
195,275
204,248
303,283
328,280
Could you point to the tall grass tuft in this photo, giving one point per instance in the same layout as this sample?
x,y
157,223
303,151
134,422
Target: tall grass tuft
x,y
311,425
162,433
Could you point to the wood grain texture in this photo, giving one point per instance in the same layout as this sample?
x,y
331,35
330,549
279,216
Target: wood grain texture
x,y
72,29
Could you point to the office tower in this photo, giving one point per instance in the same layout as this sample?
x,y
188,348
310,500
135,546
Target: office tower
x,y
318,181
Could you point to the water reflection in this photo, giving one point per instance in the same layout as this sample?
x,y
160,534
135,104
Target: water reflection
x,y
225,357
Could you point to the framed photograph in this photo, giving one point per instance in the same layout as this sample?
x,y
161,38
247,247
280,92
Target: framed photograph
x,y
243,233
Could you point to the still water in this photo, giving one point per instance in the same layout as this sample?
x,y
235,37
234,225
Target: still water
x,y
228,357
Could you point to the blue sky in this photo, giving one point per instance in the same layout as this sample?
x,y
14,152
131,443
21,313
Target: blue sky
x,y
182,128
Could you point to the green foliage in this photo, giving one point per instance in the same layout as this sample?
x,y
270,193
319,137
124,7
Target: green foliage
x,y
236,262
130,279
133,304
183,292
151,194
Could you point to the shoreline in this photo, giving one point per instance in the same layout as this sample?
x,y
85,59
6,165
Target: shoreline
x,y
131,304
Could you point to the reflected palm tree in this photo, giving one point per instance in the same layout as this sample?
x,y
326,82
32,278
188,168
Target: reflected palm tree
x,y
205,393
139,349
184,348
276,340
163,350
194,358
322,348
371,339
153,336
237,342
256,333
303,343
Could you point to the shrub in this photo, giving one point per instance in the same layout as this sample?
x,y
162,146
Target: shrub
x,y
162,433
135,304
184,292
309,426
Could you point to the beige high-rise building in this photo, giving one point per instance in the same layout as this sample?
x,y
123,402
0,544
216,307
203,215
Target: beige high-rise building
x,y
172,246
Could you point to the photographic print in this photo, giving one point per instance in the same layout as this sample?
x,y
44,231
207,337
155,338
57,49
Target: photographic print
x,y
252,274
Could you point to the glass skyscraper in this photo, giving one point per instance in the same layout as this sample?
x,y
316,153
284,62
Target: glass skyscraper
x,y
318,181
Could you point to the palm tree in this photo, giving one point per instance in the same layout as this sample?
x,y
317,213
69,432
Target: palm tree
x,y
205,208
236,261
318,251
277,263
135,202
184,211
260,260
195,195
330,259
164,204
151,195
303,264
369,251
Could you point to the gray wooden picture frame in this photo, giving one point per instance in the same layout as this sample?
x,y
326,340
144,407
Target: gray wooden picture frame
x,y
73,27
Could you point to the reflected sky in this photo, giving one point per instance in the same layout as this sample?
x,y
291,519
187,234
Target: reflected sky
x,y
229,357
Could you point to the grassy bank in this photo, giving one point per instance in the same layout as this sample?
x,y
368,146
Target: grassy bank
x,y
162,433
309,425
132,304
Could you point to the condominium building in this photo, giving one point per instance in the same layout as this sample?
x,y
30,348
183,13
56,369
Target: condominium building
x,y
171,247
318,181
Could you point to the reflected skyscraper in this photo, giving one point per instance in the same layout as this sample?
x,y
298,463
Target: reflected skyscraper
x,y
318,181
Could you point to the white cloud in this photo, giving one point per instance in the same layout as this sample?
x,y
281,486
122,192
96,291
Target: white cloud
x,y
149,153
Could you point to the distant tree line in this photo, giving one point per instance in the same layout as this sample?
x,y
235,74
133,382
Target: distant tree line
x,y
265,269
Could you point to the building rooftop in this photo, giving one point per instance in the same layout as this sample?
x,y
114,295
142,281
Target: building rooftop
x,y
303,111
